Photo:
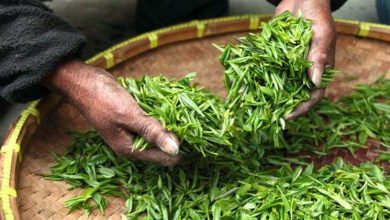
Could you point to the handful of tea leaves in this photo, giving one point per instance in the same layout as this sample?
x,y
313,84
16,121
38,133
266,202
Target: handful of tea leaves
x,y
198,118
265,76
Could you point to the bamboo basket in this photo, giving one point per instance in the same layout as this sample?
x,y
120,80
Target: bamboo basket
x,y
363,54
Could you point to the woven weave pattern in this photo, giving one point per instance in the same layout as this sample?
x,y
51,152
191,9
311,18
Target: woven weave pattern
x,y
363,59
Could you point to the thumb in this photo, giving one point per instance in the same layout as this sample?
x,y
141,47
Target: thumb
x,y
318,55
321,52
152,130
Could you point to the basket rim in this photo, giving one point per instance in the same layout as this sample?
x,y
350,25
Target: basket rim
x,y
11,150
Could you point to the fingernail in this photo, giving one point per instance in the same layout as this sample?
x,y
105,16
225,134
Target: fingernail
x,y
171,146
317,76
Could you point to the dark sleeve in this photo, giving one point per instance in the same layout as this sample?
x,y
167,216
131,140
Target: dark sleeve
x,y
33,41
334,4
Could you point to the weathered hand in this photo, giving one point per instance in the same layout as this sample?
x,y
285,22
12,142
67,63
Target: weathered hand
x,y
113,112
322,46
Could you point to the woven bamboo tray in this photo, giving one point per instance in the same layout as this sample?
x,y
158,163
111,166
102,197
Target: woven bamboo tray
x,y
363,53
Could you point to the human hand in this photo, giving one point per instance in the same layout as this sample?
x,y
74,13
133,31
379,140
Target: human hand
x,y
113,112
322,46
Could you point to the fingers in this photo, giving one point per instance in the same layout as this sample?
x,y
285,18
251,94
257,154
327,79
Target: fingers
x,y
125,112
122,141
304,107
154,133
154,155
117,116
322,50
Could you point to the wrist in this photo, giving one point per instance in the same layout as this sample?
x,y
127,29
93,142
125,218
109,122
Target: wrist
x,y
69,79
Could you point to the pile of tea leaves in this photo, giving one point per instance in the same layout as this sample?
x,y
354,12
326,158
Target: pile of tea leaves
x,y
251,177
222,189
248,185
266,77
